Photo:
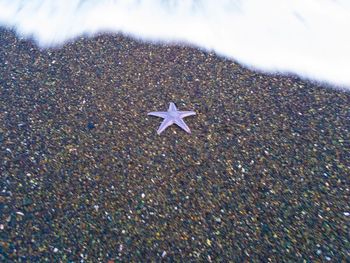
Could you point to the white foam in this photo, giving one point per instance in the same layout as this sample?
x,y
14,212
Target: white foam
x,y
307,37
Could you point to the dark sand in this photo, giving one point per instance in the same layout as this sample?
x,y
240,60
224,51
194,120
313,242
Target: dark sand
x,y
264,176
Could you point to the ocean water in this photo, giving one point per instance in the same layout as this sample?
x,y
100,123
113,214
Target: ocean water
x,y
310,38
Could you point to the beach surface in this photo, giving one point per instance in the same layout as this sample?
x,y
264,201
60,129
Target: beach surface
x,y
264,175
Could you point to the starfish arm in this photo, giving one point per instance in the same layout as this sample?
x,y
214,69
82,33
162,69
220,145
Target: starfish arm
x,y
165,124
182,125
160,114
185,114
172,107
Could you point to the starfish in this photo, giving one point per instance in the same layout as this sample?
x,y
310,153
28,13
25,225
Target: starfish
x,y
172,116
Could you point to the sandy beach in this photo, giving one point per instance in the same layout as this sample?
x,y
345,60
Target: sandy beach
x,y
263,177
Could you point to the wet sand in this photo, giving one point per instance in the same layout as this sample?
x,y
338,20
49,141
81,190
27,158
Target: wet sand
x,y
264,176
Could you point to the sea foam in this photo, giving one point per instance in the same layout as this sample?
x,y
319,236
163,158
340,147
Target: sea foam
x,y
309,38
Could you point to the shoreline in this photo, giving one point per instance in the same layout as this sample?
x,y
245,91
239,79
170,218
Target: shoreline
x,y
85,176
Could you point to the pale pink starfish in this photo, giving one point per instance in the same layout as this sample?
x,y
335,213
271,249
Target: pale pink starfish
x,y
172,116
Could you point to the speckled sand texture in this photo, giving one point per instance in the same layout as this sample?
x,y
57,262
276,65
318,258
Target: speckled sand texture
x,y
264,176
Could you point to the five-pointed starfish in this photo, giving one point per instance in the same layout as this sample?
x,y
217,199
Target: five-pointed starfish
x,y
172,116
